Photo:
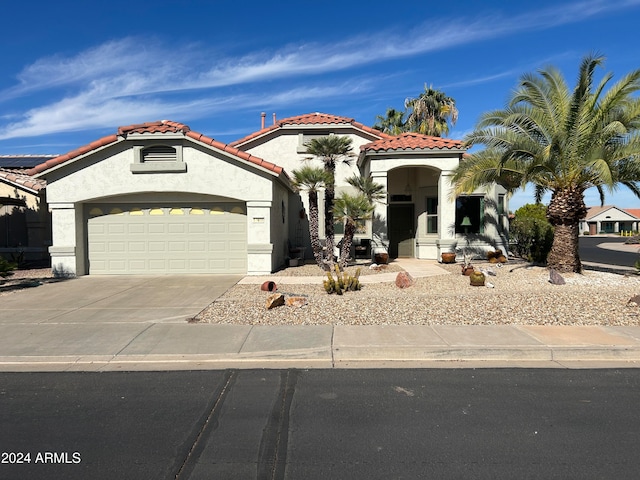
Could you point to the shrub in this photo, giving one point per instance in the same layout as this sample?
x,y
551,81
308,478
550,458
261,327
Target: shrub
x,y
531,233
6,268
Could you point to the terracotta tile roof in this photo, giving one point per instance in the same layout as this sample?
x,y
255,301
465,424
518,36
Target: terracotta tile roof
x,y
311,119
412,141
633,211
593,211
22,179
164,126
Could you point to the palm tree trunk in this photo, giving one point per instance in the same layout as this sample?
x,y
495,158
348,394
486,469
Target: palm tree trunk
x,y
314,226
329,196
565,211
347,241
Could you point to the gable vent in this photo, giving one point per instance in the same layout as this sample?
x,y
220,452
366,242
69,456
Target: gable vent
x,y
159,153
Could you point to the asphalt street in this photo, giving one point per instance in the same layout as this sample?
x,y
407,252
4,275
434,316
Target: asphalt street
x,y
590,252
321,424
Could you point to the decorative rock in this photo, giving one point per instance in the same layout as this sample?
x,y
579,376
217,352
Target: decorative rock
x,y
275,300
634,301
555,278
296,301
488,271
404,280
489,284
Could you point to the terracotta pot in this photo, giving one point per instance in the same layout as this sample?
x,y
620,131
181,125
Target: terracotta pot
x,y
467,271
448,257
269,286
381,258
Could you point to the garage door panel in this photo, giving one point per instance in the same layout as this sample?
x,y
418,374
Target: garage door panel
x,y
157,228
139,239
157,247
136,229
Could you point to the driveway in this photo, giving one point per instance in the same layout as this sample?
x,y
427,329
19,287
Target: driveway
x,y
114,299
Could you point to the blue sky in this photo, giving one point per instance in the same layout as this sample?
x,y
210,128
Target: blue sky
x,y
73,71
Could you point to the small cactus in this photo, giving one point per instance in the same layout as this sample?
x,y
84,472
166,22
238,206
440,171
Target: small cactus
x,y
343,282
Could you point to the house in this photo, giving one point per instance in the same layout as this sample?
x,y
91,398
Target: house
x,y
160,198
610,219
25,222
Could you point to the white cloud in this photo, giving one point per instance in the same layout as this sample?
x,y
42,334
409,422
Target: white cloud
x,y
135,78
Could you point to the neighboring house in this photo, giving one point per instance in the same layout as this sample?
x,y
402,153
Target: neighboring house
x,y
610,219
25,222
160,198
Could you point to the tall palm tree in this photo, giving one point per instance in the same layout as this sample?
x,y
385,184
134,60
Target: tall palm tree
x,y
562,141
392,122
330,150
431,112
350,209
365,185
312,179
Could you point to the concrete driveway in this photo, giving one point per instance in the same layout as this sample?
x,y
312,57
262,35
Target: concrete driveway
x,y
114,299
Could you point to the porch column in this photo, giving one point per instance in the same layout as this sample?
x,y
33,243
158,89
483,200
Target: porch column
x,y
259,246
379,228
63,235
447,214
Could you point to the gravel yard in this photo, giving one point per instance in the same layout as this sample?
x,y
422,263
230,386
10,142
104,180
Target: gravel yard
x,y
521,295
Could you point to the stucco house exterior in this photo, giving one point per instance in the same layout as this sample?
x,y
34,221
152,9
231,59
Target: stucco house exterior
x,y
609,219
25,222
160,198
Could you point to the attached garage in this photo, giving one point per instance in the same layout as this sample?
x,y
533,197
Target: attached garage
x,y
167,239
159,198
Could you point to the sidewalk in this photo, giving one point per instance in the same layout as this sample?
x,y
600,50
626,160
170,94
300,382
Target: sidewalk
x,y
140,340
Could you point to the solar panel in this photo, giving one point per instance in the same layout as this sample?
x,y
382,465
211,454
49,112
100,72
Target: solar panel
x,y
23,161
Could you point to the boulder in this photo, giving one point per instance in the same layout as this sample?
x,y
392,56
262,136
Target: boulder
x,y
634,301
404,280
275,300
555,278
296,301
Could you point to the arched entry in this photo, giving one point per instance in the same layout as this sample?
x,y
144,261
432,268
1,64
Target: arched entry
x,y
413,212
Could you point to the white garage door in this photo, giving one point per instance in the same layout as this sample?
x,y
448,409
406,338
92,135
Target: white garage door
x,y
150,239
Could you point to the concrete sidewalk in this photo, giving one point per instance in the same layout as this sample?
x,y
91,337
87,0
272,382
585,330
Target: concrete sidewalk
x,y
140,323
91,347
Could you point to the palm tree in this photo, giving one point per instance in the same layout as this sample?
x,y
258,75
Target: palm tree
x,y
312,179
391,123
330,150
365,185
562,141
350,209
431,112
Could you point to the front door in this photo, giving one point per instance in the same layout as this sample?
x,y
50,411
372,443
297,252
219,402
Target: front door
x,y
401,230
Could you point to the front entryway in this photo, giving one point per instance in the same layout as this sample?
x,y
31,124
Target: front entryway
x,y
401,224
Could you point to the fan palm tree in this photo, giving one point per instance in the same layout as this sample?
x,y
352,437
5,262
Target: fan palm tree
x,y
431,112
391,123
330,150
370,189
350,209
312,180
562,141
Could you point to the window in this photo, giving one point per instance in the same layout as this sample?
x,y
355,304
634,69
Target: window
x,y
305,138
432,214
471,208
158,158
